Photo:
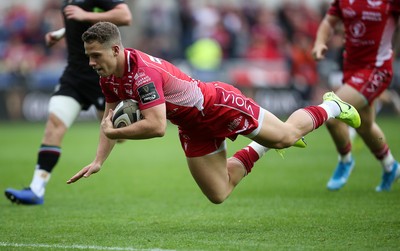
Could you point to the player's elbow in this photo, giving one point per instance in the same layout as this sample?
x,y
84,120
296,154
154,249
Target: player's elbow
x,y
159,131
124,15
126,20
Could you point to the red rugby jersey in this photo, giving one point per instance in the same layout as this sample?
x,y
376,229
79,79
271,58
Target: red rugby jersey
x,y
369,27
152,81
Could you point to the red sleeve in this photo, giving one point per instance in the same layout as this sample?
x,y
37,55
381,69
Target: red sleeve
x,y
396,8
150,92
334,9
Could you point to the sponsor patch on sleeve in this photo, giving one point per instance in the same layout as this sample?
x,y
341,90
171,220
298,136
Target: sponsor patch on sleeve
x,y
148,93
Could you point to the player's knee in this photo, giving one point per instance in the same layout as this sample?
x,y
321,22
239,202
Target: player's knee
x,y
56,124
216,198
55,128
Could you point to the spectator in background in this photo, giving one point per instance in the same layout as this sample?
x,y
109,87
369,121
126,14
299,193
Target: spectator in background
x,y
205,56
186,23
268,40
234,23
22,52
303,66
159,27
19,61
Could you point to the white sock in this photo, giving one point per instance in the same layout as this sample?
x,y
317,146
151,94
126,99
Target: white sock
x,y
260,149
352,133
331,108
39,181
345,158
387,162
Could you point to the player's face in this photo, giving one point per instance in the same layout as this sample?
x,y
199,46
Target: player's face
x,y
101,58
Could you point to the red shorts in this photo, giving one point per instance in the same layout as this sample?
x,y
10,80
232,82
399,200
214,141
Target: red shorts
x,y
230,114
370,81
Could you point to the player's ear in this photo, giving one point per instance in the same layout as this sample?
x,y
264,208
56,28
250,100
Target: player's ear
x,y
116,50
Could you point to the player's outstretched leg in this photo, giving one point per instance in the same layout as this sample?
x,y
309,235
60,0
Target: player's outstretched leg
x,y
348,114
24,196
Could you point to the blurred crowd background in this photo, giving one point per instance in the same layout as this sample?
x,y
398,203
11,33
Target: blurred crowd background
x,y
262,48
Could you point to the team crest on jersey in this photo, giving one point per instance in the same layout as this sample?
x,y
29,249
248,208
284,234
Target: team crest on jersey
x,y
148,93
357,29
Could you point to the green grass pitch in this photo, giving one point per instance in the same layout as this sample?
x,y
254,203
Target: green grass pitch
x,y
144,198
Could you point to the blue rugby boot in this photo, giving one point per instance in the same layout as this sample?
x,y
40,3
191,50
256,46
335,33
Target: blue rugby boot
x,y
388,178
25,196
341,174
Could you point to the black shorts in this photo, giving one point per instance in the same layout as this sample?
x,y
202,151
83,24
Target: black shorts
x,y
83,87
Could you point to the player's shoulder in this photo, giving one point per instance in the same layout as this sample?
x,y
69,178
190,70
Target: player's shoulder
x,y
150,64
144,58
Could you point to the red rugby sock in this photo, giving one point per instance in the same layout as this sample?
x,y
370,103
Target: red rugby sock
x,y
318,115
247,156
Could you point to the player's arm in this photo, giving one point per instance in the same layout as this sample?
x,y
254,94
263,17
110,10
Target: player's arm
x,y
324,33
104,149
153,124
120,15
53,37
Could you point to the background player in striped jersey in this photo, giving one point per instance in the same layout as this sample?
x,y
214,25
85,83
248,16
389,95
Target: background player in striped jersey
x,y
78,89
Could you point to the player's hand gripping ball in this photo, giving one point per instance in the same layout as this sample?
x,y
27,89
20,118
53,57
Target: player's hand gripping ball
x,y
126,113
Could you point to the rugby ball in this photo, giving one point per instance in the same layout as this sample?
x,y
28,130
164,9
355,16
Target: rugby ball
x,y
126,113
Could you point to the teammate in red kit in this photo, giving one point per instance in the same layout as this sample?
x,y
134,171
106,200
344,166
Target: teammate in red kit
x,y
205,113
367,72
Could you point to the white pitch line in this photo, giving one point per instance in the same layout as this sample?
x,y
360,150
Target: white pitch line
x,y
38,245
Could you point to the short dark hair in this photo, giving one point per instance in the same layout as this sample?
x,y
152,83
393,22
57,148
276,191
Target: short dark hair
x,y
102,32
